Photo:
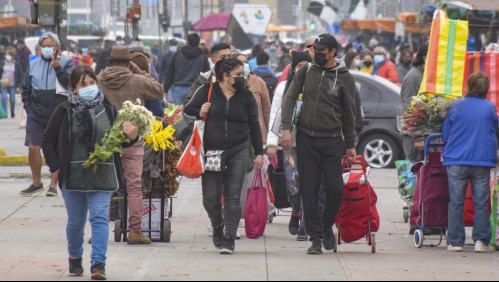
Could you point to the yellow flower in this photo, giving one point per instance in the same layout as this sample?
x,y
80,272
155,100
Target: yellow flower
x,y
161,138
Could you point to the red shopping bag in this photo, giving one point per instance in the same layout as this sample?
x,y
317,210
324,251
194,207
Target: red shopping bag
x,y
191,164
256,211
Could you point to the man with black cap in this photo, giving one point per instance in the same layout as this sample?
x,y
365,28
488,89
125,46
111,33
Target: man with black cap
x,y
325,133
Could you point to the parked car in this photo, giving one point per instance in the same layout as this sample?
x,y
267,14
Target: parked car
x,y
380,141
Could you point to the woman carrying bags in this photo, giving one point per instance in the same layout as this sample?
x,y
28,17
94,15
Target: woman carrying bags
x,y
72,132
231,123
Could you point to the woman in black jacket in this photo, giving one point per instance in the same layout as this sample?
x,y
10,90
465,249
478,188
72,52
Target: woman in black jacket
x,y
232,121
71,134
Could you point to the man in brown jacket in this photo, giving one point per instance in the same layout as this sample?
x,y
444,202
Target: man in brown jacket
x,y
123,81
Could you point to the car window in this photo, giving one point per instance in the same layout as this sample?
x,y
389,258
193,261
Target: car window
x,y
370,97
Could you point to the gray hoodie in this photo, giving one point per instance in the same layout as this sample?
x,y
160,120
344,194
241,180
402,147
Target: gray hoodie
x,y
328,108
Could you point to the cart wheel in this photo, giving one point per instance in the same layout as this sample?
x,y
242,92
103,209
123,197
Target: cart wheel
x,y
271,218
167,231
406,216
418,238
117,231
373,243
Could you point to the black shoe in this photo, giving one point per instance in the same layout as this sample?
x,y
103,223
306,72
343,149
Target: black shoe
x,y
32,190
98,271
13,115
218,236
316,248
228,246
75,267
329,239
302,235
294,225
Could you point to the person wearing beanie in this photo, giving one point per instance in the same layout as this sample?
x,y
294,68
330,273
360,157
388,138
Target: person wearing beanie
x,y
383,66
275,153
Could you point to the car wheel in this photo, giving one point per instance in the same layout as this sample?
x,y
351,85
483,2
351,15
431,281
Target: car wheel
x,y
379,150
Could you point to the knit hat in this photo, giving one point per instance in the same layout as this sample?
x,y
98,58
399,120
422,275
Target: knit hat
x,y
299,57
136,46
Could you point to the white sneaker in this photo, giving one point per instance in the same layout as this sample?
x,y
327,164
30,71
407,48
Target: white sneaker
x,y
451,248
480,247
210,230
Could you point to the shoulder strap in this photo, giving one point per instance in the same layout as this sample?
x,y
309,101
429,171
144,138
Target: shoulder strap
x,y
209,100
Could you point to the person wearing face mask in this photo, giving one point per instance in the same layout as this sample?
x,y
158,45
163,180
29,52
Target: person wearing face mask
x,y
72,132
384,67
167,58
11,77
40,99
367,61
218,52
352,60
257,86
325,133
232,122
297,222
404,65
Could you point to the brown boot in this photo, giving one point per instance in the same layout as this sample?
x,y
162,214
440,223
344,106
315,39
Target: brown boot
x,y
138,239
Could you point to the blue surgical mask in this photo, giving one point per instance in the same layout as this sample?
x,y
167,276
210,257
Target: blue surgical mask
x,y
247,70
89,93
378,59
47,52
173,49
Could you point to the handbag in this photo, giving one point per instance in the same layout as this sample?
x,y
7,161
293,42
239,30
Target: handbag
x,y
6,83
192,162
214,161
256,210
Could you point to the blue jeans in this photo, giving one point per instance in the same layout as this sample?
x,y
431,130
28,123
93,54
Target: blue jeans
x,y
178,94
459,177
78,204
11,91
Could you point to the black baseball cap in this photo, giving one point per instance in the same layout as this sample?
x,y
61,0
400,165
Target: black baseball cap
x,y
326,41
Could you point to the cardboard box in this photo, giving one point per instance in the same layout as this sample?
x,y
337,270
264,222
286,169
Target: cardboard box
x,y
155,210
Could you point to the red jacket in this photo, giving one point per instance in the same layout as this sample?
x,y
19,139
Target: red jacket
x,y
389,71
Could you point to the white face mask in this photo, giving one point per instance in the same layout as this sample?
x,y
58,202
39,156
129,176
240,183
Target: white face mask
x,y
8,58
247,70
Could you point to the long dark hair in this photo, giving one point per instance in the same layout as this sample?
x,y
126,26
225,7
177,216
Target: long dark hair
x,y
226,66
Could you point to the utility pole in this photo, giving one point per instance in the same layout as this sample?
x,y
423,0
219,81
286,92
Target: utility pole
x,y
61,23
186,18
201,4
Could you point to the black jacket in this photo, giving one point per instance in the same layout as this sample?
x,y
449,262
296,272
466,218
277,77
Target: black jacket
x,y
185,67
229,123
56,142
18,73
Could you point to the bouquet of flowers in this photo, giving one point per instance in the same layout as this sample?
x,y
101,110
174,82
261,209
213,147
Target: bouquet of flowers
x,y
425,115
161,138
115,137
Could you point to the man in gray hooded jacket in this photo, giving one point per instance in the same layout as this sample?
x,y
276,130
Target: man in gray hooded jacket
x,y
325,133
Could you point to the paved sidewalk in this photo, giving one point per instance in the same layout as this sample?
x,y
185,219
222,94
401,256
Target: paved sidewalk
x,y
33,247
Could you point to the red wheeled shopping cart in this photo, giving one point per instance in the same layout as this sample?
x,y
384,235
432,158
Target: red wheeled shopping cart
x,y
358,216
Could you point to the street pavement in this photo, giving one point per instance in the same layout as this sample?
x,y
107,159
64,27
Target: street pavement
x,y
33,243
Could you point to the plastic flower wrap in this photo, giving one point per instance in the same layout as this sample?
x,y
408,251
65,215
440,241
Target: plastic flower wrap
x,y
115,137
425,115
161,138
173,115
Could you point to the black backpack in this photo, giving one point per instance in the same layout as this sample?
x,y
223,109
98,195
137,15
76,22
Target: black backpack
x,y
270,80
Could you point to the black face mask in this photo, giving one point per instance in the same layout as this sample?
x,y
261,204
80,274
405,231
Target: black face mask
x,y
406,63
368,64
239,83
320,59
